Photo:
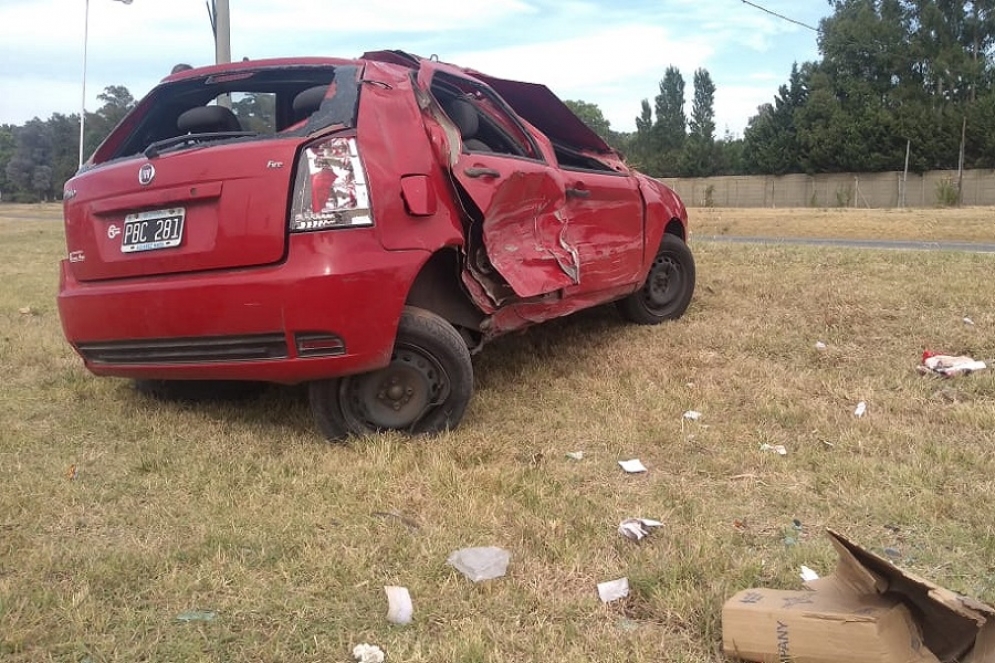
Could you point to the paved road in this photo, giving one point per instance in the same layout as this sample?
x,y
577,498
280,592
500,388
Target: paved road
x,y
970,247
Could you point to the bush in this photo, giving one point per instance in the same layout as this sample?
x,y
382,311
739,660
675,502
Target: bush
x,y
947,193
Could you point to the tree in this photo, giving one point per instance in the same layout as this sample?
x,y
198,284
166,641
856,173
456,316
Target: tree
x,y
670,129
30,167
641,147
657,143
892,73
770,142
730,155
64,132
702,122
256,112
8,145
700,158
591,115
118,102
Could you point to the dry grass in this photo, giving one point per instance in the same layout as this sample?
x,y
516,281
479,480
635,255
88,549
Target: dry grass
x,y
968,224
240,509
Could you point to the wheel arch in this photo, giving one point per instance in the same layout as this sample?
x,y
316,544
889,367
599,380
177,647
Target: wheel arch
x,y
676,227
437,288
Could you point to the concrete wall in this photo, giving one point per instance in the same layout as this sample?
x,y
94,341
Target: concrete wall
x,y
834,190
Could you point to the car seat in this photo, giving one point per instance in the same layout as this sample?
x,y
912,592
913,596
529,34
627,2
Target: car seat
x,y
308,101
208,119
465,116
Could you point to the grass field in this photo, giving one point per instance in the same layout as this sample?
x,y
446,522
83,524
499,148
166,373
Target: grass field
x,y
969,224
119,514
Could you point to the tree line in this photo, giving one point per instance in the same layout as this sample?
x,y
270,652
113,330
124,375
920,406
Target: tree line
x,y
896,80
37,158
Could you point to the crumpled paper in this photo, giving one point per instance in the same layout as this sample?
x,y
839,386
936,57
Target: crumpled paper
x,y
400,610
366,653
480,563
637,528
613,590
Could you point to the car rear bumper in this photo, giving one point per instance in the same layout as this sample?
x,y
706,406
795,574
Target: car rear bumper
x,y
330,309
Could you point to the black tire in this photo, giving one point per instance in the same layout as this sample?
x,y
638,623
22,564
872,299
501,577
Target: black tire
x,y
666,293
425,388
199,390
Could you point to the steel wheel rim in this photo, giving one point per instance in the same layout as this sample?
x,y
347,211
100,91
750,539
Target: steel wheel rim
x,y
663,284
398,396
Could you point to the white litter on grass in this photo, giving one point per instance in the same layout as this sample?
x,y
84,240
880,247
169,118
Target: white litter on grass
x,y
366,653
948,367
819,345
968,321
613,590
479,564
808,574
860,410
637,528
634,466
399,607
692,415
575,455
779,449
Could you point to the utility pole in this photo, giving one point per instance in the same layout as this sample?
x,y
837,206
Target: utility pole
x,y
222,32
82,106
905,175
217,11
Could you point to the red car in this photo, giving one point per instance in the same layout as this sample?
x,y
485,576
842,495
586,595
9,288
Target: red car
x,y
361,225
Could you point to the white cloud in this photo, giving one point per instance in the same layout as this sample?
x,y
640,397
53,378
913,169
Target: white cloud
x,y
374,16
736,104
609,53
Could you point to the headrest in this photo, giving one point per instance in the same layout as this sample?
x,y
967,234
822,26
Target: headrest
x,y
464,115
206,119
309,100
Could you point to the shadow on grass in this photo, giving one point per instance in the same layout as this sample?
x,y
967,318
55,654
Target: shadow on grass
x,y
283,409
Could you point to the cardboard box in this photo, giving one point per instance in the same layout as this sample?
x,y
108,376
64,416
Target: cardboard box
x,y
867,611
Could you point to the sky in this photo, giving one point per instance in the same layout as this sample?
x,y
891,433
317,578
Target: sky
x,y
612,53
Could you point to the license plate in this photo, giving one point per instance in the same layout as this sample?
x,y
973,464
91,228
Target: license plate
x,y
155,229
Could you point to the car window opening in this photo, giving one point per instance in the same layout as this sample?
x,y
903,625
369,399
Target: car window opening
x,y
259,105
483,122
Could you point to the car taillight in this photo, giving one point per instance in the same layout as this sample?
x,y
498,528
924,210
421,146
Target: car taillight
x,y
330,191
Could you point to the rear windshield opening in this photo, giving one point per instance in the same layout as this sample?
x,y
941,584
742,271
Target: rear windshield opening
x,y
260,103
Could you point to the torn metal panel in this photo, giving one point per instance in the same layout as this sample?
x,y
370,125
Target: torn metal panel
x,y
478,293
392,56
524,233
523,314
431,108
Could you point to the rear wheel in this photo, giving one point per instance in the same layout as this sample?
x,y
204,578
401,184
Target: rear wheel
x,y
425,388
666,293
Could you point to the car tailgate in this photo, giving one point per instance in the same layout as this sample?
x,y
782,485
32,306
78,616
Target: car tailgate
x,y
211,207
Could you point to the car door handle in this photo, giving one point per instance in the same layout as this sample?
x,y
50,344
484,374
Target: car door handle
x,y
477,171
578,193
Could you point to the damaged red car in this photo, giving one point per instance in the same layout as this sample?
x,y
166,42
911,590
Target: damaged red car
x,y
361,225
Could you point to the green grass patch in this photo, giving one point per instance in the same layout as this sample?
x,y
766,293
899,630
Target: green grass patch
x,y
120,513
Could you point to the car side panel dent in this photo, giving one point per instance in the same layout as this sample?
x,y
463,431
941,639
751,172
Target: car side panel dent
x,y
525,234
